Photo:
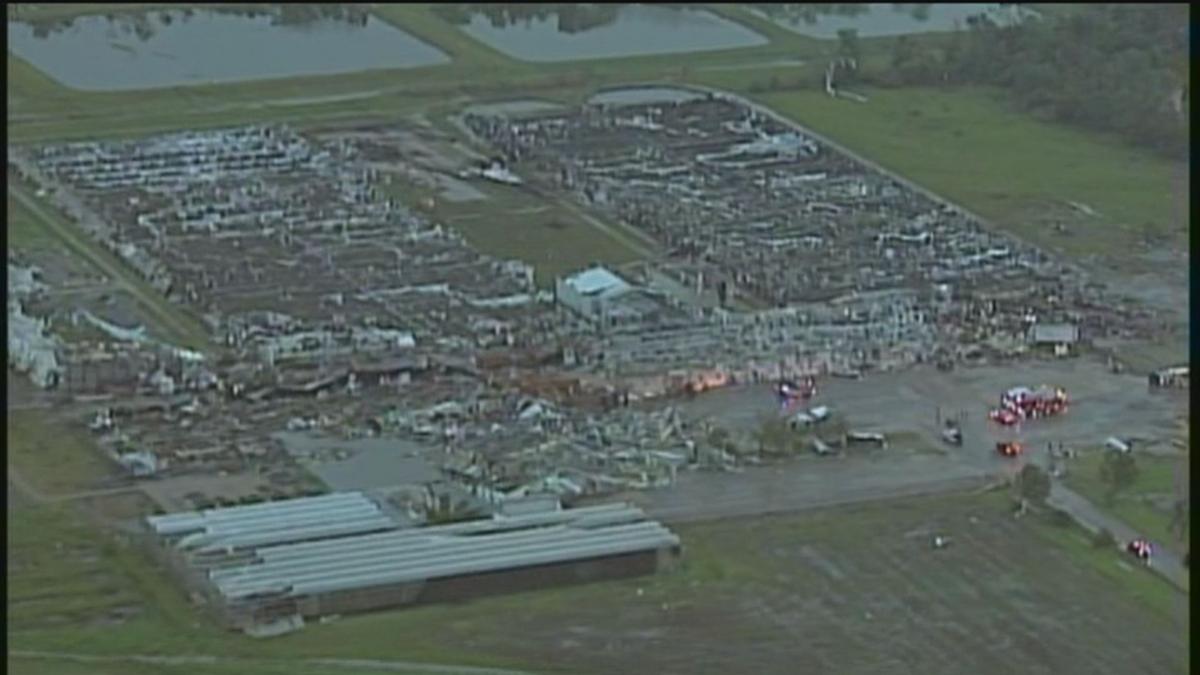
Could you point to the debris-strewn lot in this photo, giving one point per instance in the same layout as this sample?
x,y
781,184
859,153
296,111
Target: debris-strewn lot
x,y
747,207
267,234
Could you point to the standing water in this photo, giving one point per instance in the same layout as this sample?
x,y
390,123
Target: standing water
x,y
605,31
186,47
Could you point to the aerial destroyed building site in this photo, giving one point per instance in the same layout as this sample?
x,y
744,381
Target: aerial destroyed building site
x,y
334,311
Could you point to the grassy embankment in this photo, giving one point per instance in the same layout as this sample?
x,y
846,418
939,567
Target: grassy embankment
x,y
59,462
1157,479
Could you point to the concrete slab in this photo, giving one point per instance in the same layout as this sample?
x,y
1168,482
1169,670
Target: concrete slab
x,y
375,462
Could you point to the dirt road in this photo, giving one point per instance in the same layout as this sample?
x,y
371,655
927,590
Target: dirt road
x,y
363,665
31,491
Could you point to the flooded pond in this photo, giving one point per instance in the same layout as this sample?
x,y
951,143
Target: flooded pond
x,y
640,95
186,47
883,19
600,31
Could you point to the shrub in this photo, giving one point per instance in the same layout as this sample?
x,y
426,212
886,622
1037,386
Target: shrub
x,y
1060,518
1104,539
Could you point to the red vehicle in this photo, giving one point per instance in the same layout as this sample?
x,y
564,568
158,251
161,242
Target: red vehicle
x,y
1028,403
790,393
1004,416
1009,448
1141,548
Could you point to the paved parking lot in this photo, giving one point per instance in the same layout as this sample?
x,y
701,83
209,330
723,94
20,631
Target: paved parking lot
x,y
1102,405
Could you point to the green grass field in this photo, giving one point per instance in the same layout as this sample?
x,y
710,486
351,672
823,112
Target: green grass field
x,y
58,573
54,456
740,598
25,231
1157,476
511,223
26,665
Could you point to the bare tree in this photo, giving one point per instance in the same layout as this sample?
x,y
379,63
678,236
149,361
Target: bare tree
x,y
1118,471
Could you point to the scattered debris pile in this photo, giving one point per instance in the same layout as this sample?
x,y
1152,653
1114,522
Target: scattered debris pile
x,y
32,348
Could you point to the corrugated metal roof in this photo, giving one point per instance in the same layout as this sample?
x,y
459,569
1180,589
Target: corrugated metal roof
x,y
439,557
1054,332
582,518
304,532
596,280
436,552
399,553
215,530
186,521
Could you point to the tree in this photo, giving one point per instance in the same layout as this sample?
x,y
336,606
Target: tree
x,y
848,43
903,52
1033,484
773,434
1118,471
1179,523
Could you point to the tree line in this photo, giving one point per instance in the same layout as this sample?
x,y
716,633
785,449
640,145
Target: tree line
x,y
1120,69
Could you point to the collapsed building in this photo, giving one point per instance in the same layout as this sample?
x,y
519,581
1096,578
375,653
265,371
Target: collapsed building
x,y
32,348
607,300
349,315
750,208
285,245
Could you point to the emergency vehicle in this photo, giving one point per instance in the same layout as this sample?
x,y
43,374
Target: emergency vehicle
x,y
1009,448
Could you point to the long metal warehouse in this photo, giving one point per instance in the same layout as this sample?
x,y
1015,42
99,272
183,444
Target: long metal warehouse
x,y
320,555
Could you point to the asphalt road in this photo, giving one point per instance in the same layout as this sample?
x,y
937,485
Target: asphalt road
x,y
1165,562
805,485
